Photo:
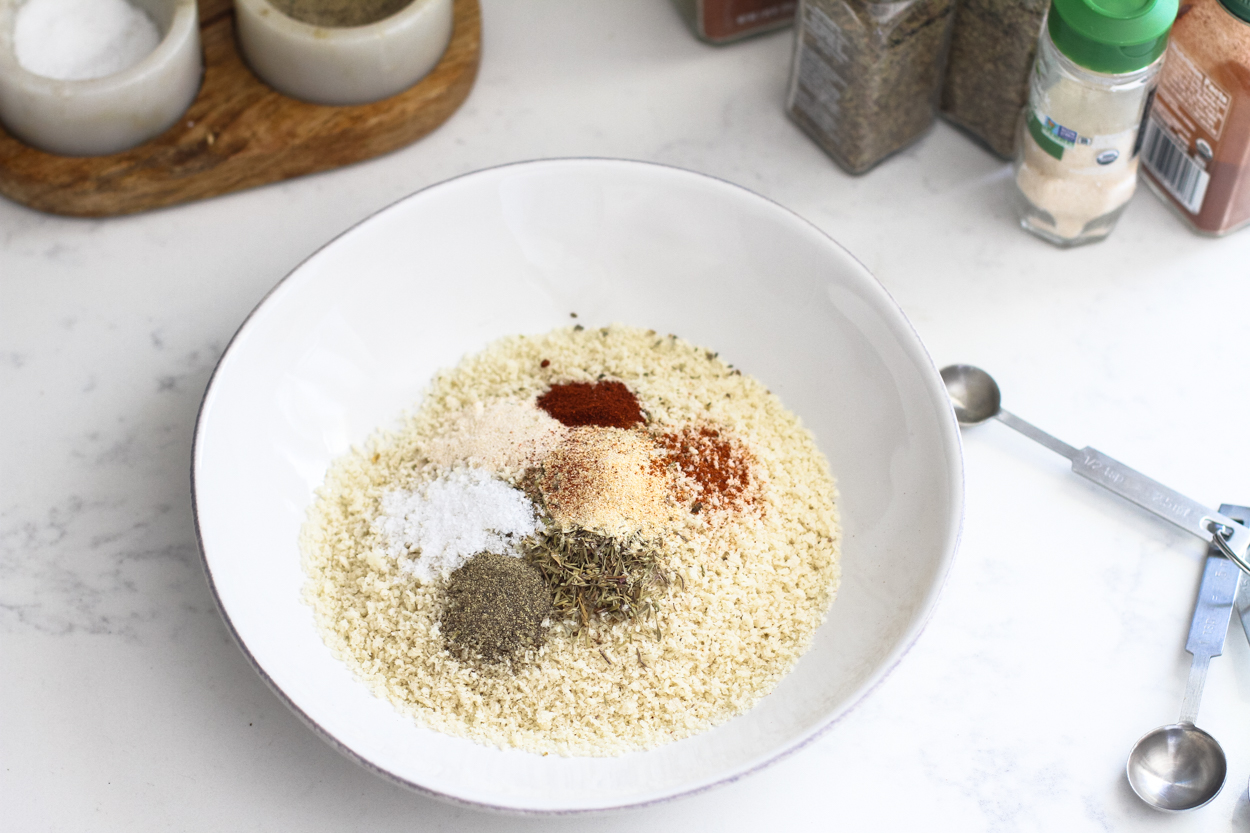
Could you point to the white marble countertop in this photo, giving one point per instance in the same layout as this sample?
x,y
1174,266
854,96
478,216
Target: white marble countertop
x,y
1060,636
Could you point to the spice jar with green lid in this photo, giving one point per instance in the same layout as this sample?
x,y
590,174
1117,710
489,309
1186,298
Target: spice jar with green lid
x,y
1076,163
865,78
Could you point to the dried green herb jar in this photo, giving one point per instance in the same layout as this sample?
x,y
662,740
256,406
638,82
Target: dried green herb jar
x,y
866,76
987,74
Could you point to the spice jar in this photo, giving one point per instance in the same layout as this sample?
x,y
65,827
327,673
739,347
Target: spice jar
x,y
1196,147
722,21
1076,162
865,78
993,44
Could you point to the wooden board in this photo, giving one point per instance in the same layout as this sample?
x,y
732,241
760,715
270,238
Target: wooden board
x,y
239,133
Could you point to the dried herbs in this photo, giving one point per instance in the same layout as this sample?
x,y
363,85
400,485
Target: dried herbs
x,y
866,75
987,74
594,577
495,608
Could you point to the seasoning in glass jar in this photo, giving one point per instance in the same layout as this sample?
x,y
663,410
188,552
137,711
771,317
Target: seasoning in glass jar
x,y
1076,158
722,21
987,74
865,78
1196,147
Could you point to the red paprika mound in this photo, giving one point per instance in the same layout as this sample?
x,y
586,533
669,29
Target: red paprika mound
x,y
605,404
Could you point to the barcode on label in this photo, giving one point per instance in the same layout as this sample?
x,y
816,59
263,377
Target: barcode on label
x,y
1176,171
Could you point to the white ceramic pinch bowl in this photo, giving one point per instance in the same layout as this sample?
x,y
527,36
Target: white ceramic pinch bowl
x,y
343,65
105,115
346,343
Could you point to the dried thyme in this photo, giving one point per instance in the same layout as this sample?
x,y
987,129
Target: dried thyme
x,y
594,577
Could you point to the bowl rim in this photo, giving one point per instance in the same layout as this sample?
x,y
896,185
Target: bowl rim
x,y
956,481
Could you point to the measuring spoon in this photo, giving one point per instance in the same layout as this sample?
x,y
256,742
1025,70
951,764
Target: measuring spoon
x,y
1179,766
976,398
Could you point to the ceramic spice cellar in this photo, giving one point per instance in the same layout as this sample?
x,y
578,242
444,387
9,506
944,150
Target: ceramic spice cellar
x,y
240,132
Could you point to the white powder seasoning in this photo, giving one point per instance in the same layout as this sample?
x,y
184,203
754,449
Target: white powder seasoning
x,y
449,520
1075,166
748,584
503,436
76,40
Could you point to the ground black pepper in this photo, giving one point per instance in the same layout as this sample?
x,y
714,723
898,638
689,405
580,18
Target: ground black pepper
x,y
987,74
339,13
495,608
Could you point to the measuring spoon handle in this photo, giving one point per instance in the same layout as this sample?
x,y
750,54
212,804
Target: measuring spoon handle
x,y
1149,494
1140,489
1170,505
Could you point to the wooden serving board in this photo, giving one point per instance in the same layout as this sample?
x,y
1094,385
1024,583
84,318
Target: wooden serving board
x,y
239,133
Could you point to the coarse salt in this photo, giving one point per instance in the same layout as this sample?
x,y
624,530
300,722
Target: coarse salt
x,y
451,519
76,40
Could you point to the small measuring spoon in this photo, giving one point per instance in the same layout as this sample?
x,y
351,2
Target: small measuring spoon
x,y
1179,766
976,398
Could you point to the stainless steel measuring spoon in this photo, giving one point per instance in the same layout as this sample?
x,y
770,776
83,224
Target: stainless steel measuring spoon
x,y
1179,766
976,398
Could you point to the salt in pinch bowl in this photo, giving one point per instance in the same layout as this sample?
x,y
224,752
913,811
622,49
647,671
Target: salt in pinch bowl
x,y
343,65
100,116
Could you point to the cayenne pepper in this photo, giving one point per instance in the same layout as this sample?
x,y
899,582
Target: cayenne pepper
x,y
719,466
605,404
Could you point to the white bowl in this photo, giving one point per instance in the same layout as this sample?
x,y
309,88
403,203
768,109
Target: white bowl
x,y
110,114
348,340
343,65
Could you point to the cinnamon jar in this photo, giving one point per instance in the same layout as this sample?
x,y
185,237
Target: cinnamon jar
x,y
1196,142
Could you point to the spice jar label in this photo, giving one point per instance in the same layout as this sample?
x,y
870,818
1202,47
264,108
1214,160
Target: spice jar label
x,y
1184,129
1206,102
724,19
1056,139
1168,158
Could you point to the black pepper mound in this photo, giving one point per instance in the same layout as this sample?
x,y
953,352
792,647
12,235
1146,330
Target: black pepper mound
x,y
340,13
495,608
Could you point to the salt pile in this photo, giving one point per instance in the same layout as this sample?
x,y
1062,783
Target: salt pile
x,y
457,516
76,40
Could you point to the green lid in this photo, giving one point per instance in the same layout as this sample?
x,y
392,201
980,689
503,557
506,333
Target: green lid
x,y
1112,36
1241,8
